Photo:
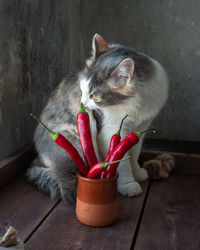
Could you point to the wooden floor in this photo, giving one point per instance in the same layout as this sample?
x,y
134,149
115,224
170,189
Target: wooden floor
x,y
165,216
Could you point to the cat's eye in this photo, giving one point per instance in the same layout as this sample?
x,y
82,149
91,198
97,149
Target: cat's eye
x,y
96,98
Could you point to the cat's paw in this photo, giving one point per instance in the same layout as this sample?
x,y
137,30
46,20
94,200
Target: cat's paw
x,y
140,174
130,189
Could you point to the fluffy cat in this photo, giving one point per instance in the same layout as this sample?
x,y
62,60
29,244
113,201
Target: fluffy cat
x,y
116,81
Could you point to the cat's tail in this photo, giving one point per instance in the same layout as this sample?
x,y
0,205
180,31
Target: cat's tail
x,y
46,181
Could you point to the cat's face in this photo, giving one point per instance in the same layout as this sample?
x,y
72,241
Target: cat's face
x,y
96,93
109,76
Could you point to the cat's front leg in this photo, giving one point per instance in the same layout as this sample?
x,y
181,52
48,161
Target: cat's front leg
x,y
126,183
140,174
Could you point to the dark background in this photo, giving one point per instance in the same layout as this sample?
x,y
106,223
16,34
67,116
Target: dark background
x,y
42,41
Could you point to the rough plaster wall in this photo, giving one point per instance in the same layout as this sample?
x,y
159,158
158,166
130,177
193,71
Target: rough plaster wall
x,y
38,45
41,41
169,31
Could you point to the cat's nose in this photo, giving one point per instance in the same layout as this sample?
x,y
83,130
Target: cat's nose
x,y
84,102
86,106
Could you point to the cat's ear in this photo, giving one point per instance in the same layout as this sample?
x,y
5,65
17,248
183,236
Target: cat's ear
x,y
98,45
122,75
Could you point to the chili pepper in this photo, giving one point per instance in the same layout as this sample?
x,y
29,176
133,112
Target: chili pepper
x,y
120,150
66,145
100,166
115,140
83,125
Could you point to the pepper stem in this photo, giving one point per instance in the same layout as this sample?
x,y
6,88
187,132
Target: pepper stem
x,y
147,130
81,110
120,127
53,134
104,165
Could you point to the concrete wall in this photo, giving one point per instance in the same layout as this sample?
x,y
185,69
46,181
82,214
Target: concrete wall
x,y
36,52
41,41
169,31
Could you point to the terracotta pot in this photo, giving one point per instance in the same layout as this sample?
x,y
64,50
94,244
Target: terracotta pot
x,y
97,203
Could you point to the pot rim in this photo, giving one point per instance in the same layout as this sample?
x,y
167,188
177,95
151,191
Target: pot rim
x,y
97,180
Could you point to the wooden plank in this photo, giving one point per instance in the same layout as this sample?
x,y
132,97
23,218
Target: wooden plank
x,y
188,164
62,230
23,207
5,248
13,166
171,218
189,147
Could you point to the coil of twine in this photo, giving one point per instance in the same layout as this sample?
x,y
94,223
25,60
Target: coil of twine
x,y
11,241
160,167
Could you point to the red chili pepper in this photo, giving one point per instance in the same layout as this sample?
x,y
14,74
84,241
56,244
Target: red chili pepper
x,y
83,125
65,144
115,140
100,166
128,142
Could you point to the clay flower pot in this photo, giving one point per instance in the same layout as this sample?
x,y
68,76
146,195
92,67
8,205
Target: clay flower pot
x,y
97,203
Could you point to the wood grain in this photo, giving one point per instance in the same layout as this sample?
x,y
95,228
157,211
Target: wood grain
x,y
62,230
13,166
171,218
22,207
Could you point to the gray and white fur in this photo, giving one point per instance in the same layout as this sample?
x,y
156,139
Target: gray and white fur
x,y
115,81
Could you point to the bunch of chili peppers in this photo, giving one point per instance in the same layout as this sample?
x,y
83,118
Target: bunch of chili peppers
x,y
91,168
